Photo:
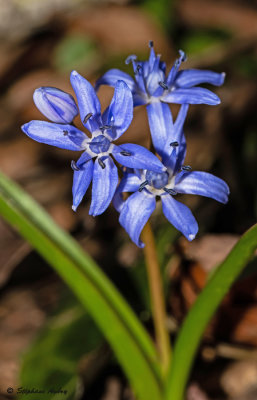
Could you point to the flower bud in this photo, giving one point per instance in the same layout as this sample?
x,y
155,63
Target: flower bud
x,y
56,105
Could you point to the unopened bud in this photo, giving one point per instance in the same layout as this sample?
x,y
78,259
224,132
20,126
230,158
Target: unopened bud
x,y
56,105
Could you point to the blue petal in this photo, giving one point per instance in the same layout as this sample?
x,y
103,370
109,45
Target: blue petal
x,y
118,201
169,159
139,98
152,56
179,123
135,213
192,77
180,216
161,124
203,184
112,76
81,179
173,159
63,136
87,100
56,105
140,68
129,183
155,76
195,95
105,182
120,112
174,70
171,76
139,157
180,137
180,155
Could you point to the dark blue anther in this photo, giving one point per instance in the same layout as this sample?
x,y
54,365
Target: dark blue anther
x,y
101,163
89,115
99,144
163,85
102,128
170,191
74,166
174,144
150,43
186,168
141,187
125,153
65,133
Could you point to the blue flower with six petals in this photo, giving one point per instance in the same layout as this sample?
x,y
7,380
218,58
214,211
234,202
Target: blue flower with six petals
x,y
151,83
104,128
147,185
153,88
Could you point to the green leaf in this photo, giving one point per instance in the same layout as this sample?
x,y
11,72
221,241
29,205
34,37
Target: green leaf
x,y
203,309
68,335
127,337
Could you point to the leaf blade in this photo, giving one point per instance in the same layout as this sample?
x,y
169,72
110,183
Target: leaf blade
x,y
203,309
129,340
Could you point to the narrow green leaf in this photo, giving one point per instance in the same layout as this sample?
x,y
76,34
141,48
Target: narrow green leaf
x,y
203,309
130,342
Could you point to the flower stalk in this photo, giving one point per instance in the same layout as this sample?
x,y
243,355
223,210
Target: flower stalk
x,y
157,297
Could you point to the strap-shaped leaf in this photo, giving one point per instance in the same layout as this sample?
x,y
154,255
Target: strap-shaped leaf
x,y
203,309
129,340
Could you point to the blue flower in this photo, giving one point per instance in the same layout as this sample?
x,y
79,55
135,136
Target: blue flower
x,y
151,85
154,89
147,185
104,130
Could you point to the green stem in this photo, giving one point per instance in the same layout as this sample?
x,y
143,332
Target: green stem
x,y
202,311
157,296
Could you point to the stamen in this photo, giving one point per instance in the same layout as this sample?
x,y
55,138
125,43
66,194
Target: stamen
x,y
65,133
125,153
130,59
74,166
102,128
138,69
141,187
89,115
101,163
183,55
174,144
186,168
150,43
163,85
170,191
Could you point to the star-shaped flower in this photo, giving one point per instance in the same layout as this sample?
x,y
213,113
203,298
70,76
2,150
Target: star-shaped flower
x,y
95,162
153,88
151,84
147,185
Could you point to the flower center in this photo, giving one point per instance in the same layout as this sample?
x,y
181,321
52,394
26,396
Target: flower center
x,y
99,144
157,180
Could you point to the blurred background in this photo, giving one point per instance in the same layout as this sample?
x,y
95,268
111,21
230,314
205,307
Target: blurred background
x,y
47,341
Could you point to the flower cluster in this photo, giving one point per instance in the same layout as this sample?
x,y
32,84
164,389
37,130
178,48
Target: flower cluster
x,y
148,176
